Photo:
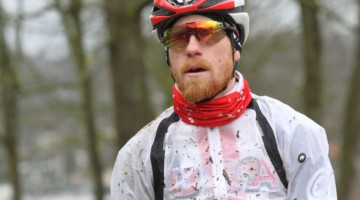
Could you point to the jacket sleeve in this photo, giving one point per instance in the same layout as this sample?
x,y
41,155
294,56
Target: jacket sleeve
x,y
304,148
310,173
132,175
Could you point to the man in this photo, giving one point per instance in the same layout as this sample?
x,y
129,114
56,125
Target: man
x,y
218,140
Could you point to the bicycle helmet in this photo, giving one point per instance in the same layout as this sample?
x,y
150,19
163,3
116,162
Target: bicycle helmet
x,y
166,12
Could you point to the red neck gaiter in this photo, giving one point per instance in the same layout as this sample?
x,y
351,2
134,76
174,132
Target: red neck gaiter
x,y
216,112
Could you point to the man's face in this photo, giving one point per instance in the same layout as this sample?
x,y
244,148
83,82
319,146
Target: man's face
x,y
201,70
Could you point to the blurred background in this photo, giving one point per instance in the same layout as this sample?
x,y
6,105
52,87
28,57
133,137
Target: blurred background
x,y
79,78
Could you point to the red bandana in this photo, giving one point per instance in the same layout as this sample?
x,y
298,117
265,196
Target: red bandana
x,y
215,112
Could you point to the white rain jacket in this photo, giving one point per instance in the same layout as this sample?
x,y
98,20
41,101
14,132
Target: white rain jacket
x,y
182,161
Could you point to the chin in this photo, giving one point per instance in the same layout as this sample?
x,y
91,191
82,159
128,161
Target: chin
x,y
199,89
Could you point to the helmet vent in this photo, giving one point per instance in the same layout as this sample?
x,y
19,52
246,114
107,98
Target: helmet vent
x,y
180,3
159,11
155,9
210,3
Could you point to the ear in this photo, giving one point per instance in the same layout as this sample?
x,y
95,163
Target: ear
x,y
236,55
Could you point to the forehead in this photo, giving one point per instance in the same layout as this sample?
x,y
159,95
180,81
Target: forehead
x,y
191,18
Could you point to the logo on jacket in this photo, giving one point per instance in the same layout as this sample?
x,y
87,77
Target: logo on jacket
x,y
181,2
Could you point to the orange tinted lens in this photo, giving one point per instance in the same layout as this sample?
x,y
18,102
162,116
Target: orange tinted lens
x,y
177,36
209,36
207,32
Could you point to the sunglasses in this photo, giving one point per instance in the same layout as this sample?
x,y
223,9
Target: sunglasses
x,y
206,32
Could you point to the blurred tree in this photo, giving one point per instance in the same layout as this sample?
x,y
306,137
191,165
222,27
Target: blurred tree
x,y
159,71
127,67
70,14
312,52
351,126
18,31
9,84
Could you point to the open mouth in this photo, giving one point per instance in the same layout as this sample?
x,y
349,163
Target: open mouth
x,y
196,70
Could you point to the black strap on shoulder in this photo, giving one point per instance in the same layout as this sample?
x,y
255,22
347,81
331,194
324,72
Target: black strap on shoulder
x,y
157,155
270,142
157,152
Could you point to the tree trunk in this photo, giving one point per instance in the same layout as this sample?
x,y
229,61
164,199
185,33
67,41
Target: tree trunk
x,y
18,27
351,127
9,98
132,107
312,53
72,23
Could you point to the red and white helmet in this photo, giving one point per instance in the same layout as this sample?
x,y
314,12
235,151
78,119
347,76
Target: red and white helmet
x,y
166,11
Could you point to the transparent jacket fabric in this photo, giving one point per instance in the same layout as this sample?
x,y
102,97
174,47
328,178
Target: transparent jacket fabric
x,y
229,162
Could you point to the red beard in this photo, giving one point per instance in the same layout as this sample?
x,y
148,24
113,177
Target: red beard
x,y
196,89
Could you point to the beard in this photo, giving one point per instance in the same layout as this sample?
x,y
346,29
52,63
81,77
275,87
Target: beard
x,y
198,89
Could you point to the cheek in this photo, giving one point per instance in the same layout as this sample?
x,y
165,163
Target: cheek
x,y
223,52
223,57
174,59
173,71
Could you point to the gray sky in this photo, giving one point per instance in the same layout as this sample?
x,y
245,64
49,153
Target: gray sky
x,y
43,35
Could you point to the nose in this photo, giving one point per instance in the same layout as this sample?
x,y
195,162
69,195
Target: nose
x,y
193,47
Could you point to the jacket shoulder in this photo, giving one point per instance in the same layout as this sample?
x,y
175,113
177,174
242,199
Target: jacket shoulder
x,y
290,126
147,133
281,114
132,173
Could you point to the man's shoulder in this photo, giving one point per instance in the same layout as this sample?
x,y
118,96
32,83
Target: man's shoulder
x,y
151,127
272,105
144,138
165,114
290,126
281,114
268,103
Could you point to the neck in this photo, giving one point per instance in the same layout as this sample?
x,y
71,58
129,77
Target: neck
x,y
229,87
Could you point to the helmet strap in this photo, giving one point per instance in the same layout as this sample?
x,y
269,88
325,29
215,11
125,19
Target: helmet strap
x,y
235,45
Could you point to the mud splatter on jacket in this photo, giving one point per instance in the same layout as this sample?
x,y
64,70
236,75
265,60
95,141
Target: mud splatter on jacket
x,y
169,159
